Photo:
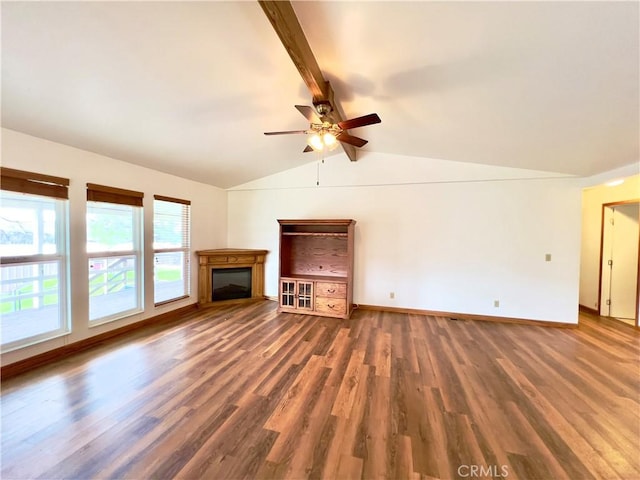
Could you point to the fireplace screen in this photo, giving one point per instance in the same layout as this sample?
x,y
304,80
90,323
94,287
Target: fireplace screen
x,y
230,283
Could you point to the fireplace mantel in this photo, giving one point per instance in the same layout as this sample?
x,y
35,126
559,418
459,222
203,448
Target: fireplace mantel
x,y
208,260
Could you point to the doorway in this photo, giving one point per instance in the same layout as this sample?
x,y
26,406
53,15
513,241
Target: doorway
x,y
619,268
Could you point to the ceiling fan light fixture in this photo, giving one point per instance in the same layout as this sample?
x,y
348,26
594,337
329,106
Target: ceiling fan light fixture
x,y
322,133
315,142
330,140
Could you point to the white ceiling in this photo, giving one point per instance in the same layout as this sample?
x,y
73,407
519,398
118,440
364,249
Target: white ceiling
x,y
189,87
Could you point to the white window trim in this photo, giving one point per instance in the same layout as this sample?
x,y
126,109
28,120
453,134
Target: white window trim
x,y
136,252
62,258
185,250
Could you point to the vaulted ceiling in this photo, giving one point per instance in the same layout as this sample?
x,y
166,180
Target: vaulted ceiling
x,y
189,88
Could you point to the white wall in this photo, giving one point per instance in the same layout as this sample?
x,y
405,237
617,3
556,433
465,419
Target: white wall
x,y
208,211
592,200
443,236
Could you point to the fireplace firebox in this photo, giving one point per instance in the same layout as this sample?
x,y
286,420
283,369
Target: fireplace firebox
x,y
230,283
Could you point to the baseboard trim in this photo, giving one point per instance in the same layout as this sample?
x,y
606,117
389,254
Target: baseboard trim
x,y
469,316
22,366
589,310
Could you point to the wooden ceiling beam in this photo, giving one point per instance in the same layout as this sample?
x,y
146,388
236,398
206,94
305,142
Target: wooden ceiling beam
x,y
285,22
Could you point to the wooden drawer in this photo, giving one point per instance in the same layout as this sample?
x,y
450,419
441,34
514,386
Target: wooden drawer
x,y
336,306
332,290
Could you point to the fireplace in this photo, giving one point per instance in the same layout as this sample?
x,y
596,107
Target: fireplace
x,y
230,283
230,275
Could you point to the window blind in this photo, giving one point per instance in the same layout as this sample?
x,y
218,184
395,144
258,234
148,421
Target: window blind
x,y
171,245
102,193
175,212
34,183
171,199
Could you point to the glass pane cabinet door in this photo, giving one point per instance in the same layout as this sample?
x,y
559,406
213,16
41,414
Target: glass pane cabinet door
x,y
288,294
305,295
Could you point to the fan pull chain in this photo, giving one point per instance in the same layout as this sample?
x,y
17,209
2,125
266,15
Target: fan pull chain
x,y
320,160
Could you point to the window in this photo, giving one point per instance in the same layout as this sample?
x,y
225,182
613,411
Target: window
x,y
114,248
33,249
171,249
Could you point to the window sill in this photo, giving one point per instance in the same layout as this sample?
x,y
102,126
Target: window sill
x,y
31,341
171,300
118,316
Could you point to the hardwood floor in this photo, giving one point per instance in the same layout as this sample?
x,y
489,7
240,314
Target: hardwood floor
x,y
244,392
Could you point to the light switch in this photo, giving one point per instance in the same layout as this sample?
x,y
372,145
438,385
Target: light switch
x,y
547,257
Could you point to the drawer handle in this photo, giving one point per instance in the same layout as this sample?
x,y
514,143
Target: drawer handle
x,y
331,290
330,306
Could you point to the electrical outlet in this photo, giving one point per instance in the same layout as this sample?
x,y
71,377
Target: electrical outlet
x,y
392,295
496,303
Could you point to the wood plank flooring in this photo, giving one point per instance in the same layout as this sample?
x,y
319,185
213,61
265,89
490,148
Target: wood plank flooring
x,y
245,392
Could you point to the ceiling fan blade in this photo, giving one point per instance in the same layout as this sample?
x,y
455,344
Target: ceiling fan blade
x,y
307,149
360,121
288,132
351,140
309,113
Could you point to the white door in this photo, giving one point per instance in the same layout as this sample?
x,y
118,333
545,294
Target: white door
x,y
620,260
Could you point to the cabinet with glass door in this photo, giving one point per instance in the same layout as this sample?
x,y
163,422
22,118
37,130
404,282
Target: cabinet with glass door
x,y
296,294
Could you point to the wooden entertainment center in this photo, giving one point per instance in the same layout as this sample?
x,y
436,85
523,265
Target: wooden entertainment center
x,y
316,267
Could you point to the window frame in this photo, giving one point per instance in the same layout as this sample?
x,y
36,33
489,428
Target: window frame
x,y
16,183
105,195
185,249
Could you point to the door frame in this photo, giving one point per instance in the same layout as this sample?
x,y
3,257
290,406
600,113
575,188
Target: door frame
x,y
609,205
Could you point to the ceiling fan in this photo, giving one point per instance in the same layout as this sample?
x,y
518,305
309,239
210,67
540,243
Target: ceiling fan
x,y
324,133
